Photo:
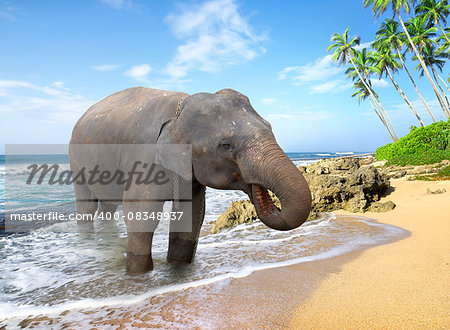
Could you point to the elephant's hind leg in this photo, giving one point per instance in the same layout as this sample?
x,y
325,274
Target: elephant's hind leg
x,y
87,204
105,207
183,244
106,215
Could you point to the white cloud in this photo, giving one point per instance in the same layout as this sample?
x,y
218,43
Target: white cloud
x,y
15,83
216,36
8,84
269,101
318,76
51,91
58,84
302,116
364,45
380,83
139,72
333,86
50,104
105,67
320,69
400,108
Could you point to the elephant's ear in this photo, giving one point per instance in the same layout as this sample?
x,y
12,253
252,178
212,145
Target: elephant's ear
x,y
172,155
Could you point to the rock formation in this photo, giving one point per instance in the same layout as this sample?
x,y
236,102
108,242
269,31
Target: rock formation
x,y
334,183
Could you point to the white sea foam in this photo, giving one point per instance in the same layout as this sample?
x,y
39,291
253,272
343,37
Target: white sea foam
x,y
23,169
303,162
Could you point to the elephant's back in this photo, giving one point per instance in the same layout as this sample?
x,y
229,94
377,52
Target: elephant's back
x,y
133,115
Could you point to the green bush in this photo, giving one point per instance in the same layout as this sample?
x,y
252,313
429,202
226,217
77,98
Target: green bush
x,y
444,172
423,145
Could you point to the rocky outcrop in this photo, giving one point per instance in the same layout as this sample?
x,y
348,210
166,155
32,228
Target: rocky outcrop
x,y
334,183
411,171
367,160
244,212
344,184
436,192
238,212
382,206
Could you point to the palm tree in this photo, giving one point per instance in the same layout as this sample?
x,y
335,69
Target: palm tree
x,y
434,12
380,6
362,92
422,36
361,70
343,52
445,47
433,59
386,61
363,60
389,36
440,78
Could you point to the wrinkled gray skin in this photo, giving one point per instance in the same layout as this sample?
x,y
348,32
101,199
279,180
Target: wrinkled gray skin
x,y
232,148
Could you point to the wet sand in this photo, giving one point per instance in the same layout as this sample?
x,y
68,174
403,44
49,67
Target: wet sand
x,y
402,284
266,298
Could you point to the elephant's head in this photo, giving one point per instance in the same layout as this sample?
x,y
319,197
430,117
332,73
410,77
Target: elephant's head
x,y
234,148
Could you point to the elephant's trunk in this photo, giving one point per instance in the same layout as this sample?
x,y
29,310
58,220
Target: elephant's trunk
x,y
265,166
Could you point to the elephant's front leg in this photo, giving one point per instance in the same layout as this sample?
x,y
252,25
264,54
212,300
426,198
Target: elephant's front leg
x,y
141,224
182,243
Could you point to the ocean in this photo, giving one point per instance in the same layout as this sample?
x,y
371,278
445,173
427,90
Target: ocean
x,y
50,271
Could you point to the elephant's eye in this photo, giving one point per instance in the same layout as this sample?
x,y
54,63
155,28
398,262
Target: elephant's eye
x,y
226,146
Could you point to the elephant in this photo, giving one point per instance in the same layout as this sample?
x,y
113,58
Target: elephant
x,y
232,147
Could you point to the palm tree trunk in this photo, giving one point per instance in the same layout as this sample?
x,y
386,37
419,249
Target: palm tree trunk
x,y
383,120
443,33
422,63
440,87
397,87
379,116
378,105
442,105
378,102
392,134
443,81
437,83
389,119
414,84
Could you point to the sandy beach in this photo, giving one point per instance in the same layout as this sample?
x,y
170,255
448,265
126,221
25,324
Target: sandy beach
x,y
405,284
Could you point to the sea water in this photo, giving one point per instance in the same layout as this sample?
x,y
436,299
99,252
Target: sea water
x,y
49,271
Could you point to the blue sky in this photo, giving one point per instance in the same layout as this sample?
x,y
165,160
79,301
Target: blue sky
x,y
60,57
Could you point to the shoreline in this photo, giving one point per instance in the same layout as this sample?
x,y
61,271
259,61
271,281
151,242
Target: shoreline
x,y
214,299
363,288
